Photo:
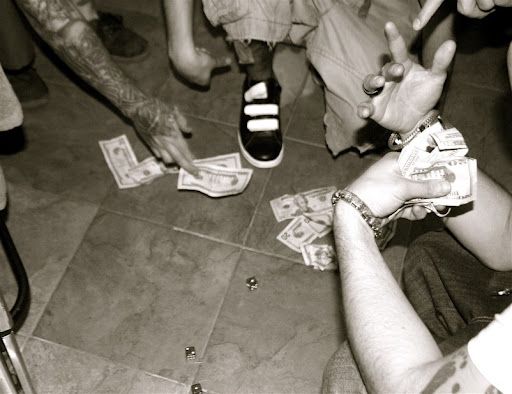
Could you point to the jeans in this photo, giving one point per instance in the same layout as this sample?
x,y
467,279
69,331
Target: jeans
x,y
344,40
452,292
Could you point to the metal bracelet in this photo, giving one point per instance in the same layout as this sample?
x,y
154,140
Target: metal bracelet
x,y
354,201
395,141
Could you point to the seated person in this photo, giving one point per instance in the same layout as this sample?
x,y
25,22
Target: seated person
x,y
64,28
458,287
344,43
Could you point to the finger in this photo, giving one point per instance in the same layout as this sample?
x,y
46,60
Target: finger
x,y
426,189
393,71
485,5
427,11
178,149
181,120
470,9
396,43
373,82
443,57
419,212
365,110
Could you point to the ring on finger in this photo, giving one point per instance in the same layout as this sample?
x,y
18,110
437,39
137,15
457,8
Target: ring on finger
x,y
371,93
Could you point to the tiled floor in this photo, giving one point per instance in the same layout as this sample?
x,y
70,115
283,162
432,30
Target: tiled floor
x,y
123,280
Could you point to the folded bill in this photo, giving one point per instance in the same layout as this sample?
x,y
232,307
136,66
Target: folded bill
x,y
215,181
297,233
320,257
291,206
120,159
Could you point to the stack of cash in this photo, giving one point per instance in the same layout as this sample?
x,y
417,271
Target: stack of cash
x,y
440,153
219,176
312,215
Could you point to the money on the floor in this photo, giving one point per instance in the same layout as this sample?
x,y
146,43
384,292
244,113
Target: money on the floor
x,y
291,206
215,181
297,233
231,160
320,257
120,159
321,221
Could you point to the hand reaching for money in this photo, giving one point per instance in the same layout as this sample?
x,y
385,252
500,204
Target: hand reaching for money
x,y
409,91
384,189
162,130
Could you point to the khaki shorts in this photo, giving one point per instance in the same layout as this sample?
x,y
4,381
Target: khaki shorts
x,y
344,40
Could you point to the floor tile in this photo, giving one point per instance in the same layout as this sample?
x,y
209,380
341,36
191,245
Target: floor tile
x,y
304,167
138,294
278,338
56,369
148,7
307,122
47,230
223,218
62,153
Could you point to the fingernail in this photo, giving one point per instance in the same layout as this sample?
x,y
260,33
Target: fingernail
x,y
416,24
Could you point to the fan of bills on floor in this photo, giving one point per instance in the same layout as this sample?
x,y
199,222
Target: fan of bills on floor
x,y
437,153
219,176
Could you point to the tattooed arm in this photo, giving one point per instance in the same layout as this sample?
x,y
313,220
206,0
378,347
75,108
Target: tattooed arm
x,y
62,26
394,350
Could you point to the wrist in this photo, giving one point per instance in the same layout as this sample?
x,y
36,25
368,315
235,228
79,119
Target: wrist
x,y
398,140
178,51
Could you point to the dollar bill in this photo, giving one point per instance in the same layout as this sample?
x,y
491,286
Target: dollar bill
x,y
120,158
147,171
321,221
291,206
450,139
215,181
320,257
297,233
231,160
460,172
285,208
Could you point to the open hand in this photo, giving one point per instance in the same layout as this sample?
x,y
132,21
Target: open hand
x,y
409,91
469,8
384,189
197,64
162,130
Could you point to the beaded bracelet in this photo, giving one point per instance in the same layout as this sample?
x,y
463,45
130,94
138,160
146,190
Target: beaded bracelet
x,y
368,216
395,141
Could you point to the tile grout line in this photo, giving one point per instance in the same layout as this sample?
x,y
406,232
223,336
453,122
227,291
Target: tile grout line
x,y
304,142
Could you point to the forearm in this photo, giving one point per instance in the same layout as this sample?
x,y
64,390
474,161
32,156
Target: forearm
x,y
486,227
179,20
385,333
64,29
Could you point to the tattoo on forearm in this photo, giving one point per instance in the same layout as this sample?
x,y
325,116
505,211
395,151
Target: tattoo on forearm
x,y
64,29
458,361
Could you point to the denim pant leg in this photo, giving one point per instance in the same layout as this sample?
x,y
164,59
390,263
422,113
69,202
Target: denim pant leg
x,y
16,46
451,290
341,375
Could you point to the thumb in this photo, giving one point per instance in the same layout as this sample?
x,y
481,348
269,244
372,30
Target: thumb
x,y
222,61
426,189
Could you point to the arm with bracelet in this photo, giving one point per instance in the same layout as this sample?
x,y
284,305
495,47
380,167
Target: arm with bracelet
x,y
394,350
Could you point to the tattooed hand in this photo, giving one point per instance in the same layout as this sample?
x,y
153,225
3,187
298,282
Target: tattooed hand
x,y
162,130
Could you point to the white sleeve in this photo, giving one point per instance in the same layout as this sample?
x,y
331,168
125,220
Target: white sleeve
x,y
491,351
